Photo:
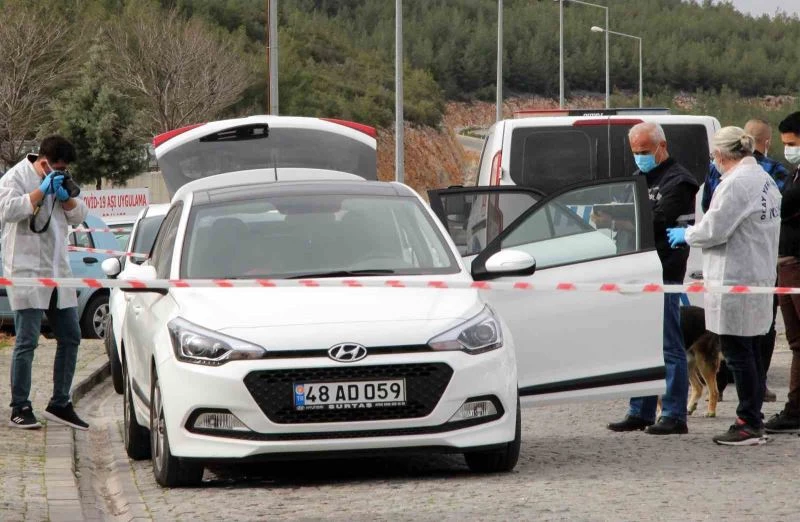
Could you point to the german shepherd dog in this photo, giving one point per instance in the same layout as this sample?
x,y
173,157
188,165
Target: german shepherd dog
x,y
703,355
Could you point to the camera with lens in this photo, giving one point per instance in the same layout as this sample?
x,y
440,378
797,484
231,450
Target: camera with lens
x,y
70,186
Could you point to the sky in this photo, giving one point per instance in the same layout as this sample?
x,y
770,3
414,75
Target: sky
x,y
760,7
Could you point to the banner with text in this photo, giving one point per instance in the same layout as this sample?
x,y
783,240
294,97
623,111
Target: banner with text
x,y
116,202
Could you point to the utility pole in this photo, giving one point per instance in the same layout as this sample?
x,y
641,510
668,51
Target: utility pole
x,y
272,57
398,92
499,102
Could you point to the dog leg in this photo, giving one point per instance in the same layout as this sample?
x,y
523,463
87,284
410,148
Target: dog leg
x,y
696,390
709,369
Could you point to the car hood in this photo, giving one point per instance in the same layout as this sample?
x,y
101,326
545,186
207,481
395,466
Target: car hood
x,y
297,318
220,308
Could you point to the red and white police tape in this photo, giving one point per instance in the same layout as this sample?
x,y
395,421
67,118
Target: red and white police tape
x,y
630,288
116,253
111,230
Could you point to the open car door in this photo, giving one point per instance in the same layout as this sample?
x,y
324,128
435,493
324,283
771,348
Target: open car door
x,y
570,345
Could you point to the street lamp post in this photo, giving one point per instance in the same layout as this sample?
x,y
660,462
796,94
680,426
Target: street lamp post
x,y
499,93
561,50
399,163
597,29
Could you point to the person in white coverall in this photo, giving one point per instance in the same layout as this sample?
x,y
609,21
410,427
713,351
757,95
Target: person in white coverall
x,y
739,238
36,211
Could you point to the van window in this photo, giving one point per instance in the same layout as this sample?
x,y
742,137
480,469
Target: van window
x,y
549,158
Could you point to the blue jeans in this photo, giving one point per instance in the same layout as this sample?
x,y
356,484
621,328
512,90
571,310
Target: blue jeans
x,y
673,402
67,331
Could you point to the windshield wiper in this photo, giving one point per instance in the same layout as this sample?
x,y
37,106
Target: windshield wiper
x,y
344,273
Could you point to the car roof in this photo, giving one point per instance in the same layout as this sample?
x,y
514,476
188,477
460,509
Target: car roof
x,y
553,121
157,209
261,177
277,122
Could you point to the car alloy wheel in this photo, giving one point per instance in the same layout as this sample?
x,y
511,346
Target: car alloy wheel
x,y
157,428
100,320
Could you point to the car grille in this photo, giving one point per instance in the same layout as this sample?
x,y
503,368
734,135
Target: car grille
x,y
273,390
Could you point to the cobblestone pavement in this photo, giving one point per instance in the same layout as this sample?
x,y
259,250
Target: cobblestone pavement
x,y
571,468
36,466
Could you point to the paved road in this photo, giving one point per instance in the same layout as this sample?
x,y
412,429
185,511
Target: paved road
x,y
571,468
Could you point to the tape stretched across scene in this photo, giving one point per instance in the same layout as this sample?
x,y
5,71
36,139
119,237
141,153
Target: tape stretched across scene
x,y
627,288
116,253
110,230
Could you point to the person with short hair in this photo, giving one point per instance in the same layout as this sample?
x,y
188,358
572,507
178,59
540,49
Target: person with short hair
x,y
788,420
672,190
36,210
739,238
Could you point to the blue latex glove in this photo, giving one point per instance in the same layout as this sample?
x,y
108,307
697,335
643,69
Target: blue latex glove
x,y
52,182
62,194
676,236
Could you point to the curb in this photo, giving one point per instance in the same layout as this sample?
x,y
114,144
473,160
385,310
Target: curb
x,y
61,481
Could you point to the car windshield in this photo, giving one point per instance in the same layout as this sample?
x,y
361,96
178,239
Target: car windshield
x,y
314,235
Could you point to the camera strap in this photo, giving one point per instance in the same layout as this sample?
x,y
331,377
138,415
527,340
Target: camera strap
x,y
31,223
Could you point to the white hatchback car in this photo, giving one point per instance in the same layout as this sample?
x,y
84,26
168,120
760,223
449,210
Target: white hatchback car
x,y
239,373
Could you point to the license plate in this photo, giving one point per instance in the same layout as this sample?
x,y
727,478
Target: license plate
x,y
349,395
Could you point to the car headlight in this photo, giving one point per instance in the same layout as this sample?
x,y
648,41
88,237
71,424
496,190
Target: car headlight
x,y
198,345
480,334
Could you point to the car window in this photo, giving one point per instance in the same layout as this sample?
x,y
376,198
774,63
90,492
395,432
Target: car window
x,y
165,242
583,224
280,236
550,158
81,239
122,234
474,219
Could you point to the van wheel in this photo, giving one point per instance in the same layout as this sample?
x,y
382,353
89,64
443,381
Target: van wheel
x,y
168,470
500,460
113,360
134,436
95,317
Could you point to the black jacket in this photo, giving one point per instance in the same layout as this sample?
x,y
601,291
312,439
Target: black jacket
x,y
672,191
789,244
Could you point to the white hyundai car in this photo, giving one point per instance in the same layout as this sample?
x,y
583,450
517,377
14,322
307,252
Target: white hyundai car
x,y
238,373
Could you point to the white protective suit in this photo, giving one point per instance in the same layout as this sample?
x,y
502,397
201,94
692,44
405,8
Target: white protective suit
x,y
26,254
739,238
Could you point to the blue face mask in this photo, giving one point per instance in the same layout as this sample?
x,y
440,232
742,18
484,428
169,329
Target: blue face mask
x,y
645,162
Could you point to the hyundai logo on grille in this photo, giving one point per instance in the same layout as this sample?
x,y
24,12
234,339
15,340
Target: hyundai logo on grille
x,y
347,352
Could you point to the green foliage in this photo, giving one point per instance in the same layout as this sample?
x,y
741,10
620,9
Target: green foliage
x,y
102,124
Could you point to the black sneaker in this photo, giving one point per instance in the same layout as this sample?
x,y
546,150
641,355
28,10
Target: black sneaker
x,y
65,415
629,423
783,423
24,418
667,426
740,434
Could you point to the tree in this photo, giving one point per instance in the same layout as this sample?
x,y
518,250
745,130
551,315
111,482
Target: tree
x,y
102,124
180,71
36,54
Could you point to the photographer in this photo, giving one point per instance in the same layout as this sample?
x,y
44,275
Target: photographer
x,y
37,205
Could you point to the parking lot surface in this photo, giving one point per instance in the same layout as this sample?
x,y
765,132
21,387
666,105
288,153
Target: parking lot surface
x,y
571,468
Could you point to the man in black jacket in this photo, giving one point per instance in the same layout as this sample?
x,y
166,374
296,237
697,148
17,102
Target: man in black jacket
x,y
788,420
672,191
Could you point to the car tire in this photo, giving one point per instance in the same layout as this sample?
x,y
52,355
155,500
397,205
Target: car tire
x,y
500,460
113,360
94,323
169,471
135,437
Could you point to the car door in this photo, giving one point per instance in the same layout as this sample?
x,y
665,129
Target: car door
x,y
570,344
139,319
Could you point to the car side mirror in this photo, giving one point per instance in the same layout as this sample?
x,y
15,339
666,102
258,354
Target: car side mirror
x,y
111,267
142,273
508,262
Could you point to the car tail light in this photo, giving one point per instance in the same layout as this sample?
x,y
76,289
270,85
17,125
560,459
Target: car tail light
x,y
366,129
161,138
497,171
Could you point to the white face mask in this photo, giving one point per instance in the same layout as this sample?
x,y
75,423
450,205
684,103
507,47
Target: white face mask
x,y
792,154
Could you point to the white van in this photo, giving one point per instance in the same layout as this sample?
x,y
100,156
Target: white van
x,y
548,150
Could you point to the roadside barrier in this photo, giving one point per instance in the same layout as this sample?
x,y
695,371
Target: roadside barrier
x,y
628,288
